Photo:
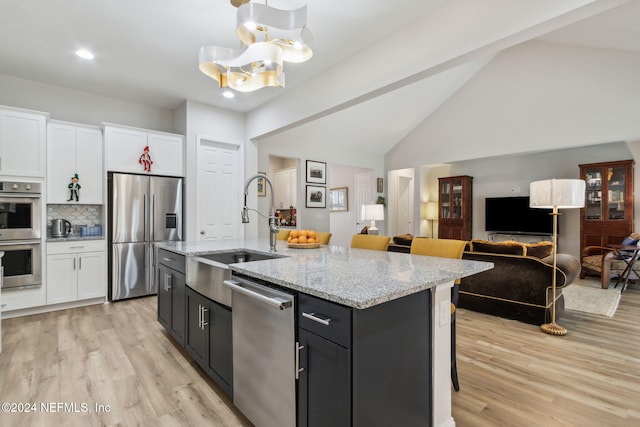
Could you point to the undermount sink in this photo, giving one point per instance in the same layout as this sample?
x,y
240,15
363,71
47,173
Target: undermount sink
x,y
240,256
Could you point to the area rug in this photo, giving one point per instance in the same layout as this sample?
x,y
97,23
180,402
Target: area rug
x,y
588,296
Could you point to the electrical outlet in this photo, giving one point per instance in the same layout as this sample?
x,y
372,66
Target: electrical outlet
x,y
515,189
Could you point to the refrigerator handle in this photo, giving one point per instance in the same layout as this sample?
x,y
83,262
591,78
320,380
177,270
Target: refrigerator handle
x,y
144,220
152,222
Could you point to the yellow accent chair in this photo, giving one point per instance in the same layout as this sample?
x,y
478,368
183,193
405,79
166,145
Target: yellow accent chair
x,y
283,234
324,237
445,248
370,241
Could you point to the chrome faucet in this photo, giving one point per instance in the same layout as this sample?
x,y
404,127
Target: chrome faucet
x,y
273,221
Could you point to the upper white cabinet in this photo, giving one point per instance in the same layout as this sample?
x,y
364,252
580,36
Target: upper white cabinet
x,y
22,142
285,189
125,148
74,149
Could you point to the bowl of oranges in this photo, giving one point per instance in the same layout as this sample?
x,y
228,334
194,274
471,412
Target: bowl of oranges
x,y
303,239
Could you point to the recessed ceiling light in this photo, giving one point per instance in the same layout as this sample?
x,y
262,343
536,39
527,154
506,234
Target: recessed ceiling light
x,y
84,54
228,94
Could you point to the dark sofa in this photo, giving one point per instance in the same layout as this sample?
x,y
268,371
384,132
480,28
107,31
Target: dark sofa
x,y
519,285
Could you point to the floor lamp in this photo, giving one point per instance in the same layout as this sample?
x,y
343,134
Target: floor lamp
x,y
556,194
431,213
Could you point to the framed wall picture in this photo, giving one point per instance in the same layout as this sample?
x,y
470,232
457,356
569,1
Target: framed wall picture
x,y
339,199
316,196
262,185
380,185
316,172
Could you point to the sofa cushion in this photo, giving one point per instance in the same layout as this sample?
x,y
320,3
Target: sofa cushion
x,y
507,247
539,249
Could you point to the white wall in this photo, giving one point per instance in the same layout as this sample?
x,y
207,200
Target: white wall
x,y
213,124
80,106
284,145
532,97
342,225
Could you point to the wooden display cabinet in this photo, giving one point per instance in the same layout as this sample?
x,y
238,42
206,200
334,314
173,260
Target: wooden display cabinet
x,y
607,217
454,205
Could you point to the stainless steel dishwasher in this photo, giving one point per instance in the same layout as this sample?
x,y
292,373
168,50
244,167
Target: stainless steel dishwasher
x,y
264,380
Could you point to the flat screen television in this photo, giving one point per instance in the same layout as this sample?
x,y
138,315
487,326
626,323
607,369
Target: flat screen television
x,y
512,215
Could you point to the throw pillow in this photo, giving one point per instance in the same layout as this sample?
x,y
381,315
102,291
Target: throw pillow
x,y
509,247
403,239
539,250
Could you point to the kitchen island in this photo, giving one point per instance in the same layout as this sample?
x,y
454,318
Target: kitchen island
x,y
396,307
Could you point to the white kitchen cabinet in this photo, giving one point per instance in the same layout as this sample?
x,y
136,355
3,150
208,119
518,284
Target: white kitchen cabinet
x,y
22,142
74,149
76,270
285,188
125,146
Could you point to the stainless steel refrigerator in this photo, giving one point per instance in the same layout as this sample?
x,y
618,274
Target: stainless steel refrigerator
x,y
142,210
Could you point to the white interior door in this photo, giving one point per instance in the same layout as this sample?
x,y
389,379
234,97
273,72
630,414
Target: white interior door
x,y
218,191
362,197
404,215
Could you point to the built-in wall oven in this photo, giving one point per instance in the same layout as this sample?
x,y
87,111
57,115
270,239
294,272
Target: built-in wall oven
x,y
20,210
20,232
22,264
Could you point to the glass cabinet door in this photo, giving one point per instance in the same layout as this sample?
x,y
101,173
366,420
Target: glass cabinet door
x,y
445,199
456,196
616,193
593,202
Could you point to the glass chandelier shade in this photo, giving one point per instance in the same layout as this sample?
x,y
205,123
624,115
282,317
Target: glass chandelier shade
x,y
271,36
258,66
285,28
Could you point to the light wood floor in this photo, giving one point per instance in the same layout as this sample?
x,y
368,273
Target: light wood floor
x,y
510,373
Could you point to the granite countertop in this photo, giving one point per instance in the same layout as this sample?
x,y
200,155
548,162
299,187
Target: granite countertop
x,y
358,278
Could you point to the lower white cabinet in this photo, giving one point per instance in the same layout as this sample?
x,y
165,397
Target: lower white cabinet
x,y
76,271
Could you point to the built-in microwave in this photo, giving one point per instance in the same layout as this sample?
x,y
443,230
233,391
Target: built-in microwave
x,y
22,264
20,210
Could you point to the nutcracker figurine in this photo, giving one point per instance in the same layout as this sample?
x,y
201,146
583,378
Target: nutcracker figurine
x,y
145,159
74,188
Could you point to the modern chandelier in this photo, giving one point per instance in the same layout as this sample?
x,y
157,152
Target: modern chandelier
x,y
268,38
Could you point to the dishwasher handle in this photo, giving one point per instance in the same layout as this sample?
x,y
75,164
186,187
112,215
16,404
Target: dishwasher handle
x,y
274,302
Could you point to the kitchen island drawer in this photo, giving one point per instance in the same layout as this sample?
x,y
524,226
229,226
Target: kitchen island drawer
x,y
326,319
172,260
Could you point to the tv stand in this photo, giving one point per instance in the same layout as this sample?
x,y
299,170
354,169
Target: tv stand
x,y
493,236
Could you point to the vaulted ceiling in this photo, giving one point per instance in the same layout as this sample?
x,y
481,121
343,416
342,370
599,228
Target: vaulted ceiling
x,y
379,68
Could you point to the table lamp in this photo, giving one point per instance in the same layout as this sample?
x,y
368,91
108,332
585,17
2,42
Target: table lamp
x,y
372,213
556,194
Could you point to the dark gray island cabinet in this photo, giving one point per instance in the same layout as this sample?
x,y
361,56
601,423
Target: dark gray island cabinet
x,y
364,367
201,326
369,338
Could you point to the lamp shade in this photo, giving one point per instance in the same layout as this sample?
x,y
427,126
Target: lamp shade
x,y
558,193
372,212
431,210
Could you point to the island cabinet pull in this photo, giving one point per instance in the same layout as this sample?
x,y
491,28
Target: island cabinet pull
x,y
205,310
167,259
298,368
312,316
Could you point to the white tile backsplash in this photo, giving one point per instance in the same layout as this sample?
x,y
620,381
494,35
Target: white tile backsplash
x,y
77,215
